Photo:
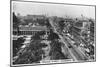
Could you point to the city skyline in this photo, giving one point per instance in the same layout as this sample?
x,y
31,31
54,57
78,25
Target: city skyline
x,y
25,8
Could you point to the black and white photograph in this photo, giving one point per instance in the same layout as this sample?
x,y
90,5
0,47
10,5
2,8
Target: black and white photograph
x,y
52,33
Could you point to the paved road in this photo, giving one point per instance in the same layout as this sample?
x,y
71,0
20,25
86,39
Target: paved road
x,y
74,52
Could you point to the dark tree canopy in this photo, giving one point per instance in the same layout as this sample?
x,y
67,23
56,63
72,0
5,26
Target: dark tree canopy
x,y
53,36
16,21
14,18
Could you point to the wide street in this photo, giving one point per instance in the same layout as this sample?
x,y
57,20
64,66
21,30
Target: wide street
x,y
75,53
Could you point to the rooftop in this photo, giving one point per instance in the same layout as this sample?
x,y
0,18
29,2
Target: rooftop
x,y
37,28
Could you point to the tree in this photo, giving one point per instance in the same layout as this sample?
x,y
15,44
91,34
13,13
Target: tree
x,y
32,53
56,51
17,44
16,22
53,36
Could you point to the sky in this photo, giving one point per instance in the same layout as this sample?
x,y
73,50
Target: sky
x,y
61,10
